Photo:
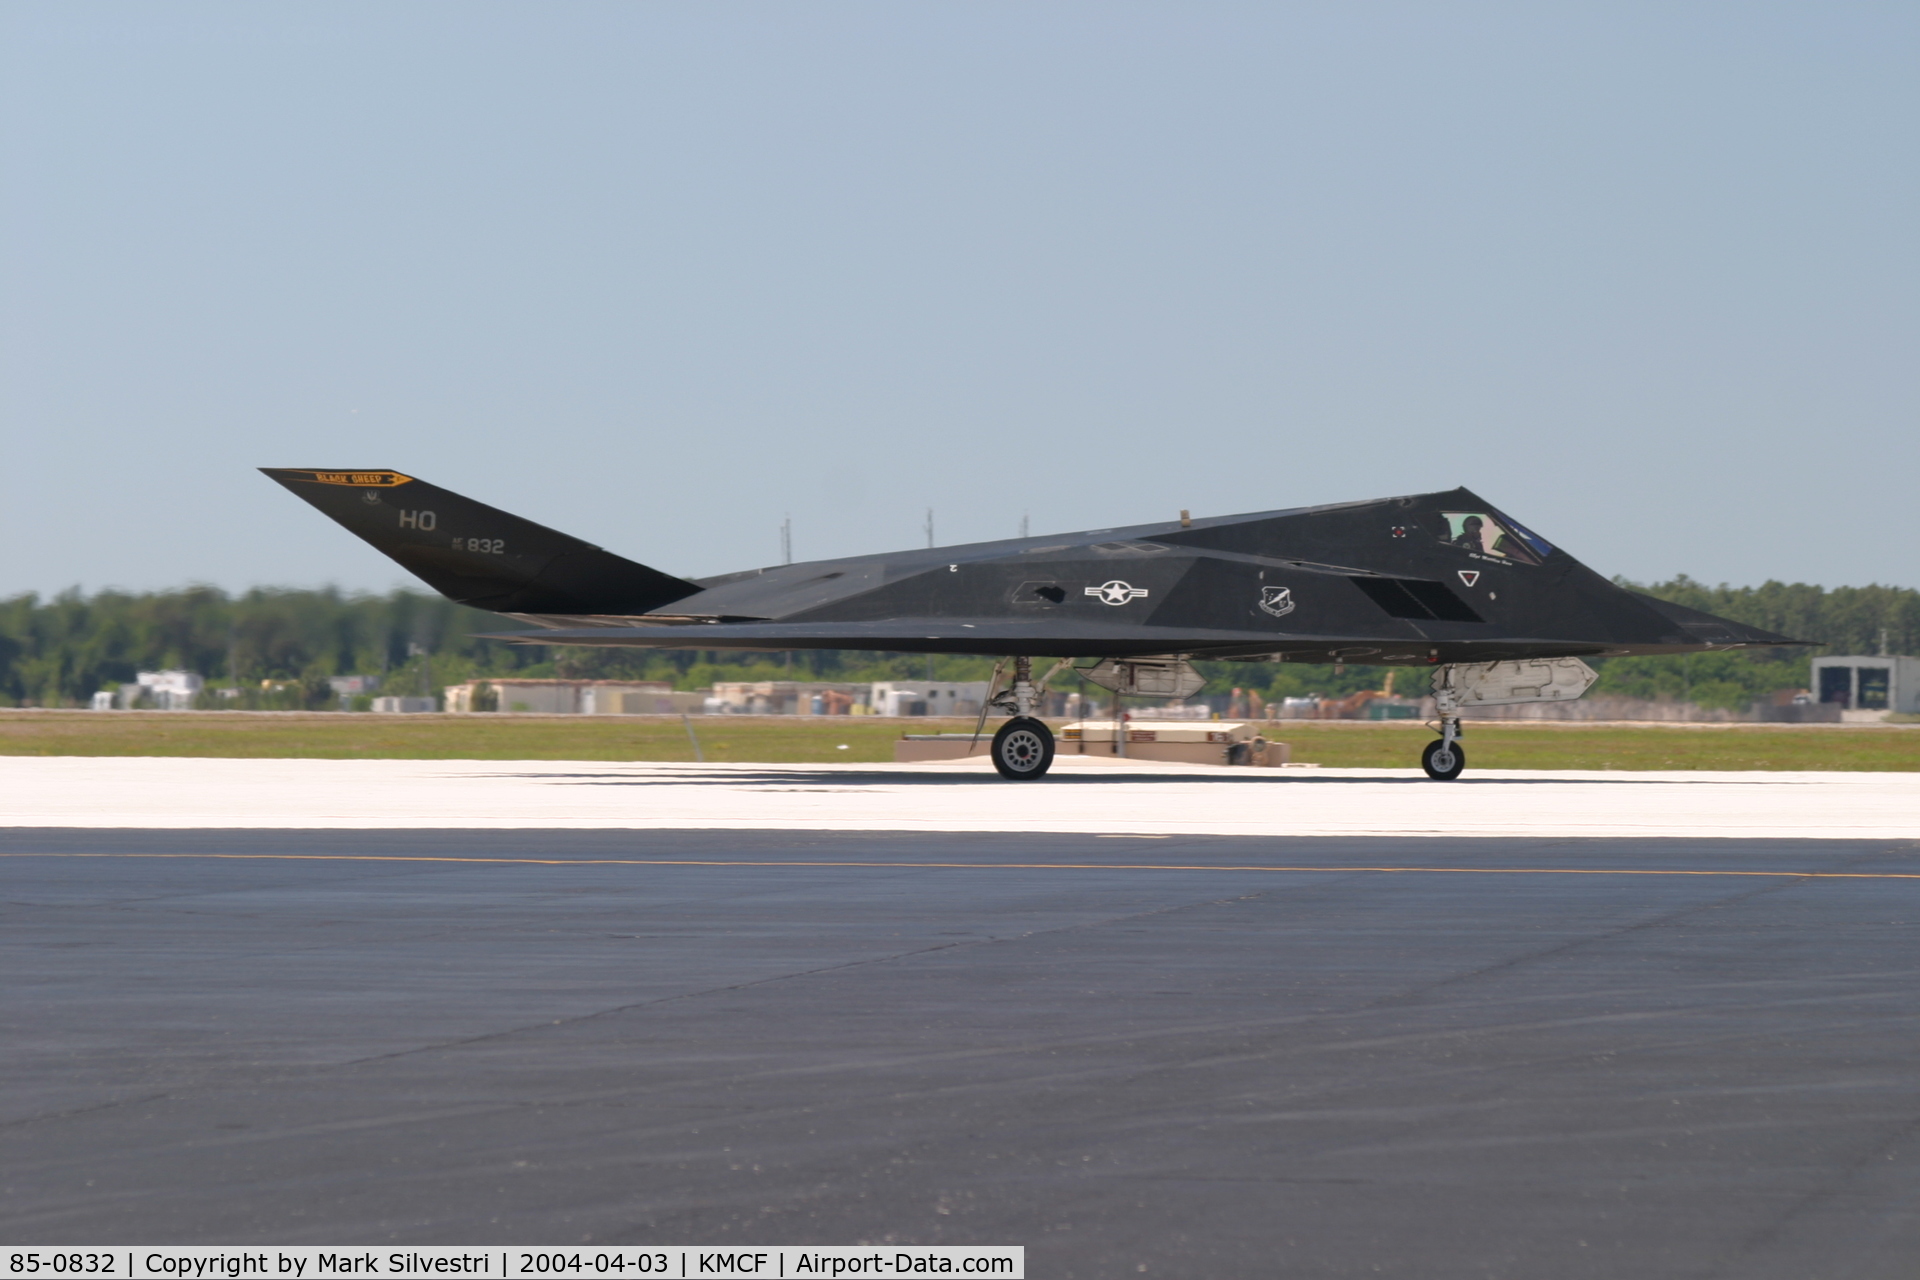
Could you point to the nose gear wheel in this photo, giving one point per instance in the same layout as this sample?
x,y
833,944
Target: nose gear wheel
x,y
1443,760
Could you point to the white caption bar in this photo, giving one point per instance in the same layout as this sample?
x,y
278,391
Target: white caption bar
x,y
318,1262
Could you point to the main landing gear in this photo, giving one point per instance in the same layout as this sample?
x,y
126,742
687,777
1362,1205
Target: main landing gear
x,y
1023,748
1443,760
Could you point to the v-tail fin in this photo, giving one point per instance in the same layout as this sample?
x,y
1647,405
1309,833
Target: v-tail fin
x,y
477,554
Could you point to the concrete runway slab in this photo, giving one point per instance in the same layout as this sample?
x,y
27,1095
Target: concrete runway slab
x,y
1082,796
1187,1056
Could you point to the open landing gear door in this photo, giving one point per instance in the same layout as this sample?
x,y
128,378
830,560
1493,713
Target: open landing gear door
x,y
1503,684
1146,677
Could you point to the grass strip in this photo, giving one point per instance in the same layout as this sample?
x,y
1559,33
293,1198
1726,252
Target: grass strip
x,y
862,740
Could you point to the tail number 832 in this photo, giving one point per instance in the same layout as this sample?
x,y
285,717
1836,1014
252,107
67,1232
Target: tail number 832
x,y
485,546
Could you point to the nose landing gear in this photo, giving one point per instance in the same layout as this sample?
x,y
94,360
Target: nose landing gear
x,y
1443,760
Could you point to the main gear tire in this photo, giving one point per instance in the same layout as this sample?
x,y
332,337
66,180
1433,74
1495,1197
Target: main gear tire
x,y
1023,749
1443,760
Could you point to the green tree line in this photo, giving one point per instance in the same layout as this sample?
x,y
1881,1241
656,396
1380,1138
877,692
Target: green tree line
x,y
277,648
1840,620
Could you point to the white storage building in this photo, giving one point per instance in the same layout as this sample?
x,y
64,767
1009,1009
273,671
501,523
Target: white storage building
x,y
928,697
1870,685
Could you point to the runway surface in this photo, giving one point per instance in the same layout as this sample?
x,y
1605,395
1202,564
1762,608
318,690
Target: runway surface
x,y
1187,1056
1082,795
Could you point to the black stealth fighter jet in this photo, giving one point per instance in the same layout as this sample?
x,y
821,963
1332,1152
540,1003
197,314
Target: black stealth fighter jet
x,y
1439,580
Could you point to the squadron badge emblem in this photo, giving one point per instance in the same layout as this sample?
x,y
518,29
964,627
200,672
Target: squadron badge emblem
x,y
1277,601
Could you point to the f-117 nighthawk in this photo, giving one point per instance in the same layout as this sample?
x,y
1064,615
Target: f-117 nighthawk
x,y
1438,580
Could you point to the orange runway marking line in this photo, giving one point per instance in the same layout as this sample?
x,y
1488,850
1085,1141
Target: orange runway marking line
x,y
988,866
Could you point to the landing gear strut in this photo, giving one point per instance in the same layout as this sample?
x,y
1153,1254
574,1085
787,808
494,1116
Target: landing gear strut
x,y
1443,760
1023,748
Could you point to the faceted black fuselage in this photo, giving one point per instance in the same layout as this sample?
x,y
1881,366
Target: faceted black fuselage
x,y
1433,578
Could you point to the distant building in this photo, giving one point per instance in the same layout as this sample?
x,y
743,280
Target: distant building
x,y
785,698
405,706
928,697
1867,687
1368,704
571,697
347,688
158,690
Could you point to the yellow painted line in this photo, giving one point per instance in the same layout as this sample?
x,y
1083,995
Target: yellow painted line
x,y
990,866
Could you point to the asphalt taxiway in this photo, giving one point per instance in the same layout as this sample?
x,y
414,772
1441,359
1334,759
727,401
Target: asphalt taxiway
x,y
1190,1055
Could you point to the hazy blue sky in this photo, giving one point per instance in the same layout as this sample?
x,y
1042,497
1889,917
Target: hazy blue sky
x,y
1643,275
